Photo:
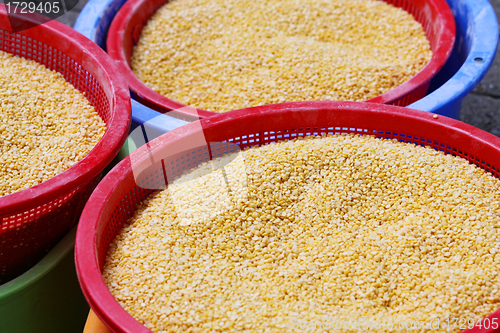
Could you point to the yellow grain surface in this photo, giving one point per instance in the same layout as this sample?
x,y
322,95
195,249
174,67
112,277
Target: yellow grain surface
x,y
222,55
341,227
46,125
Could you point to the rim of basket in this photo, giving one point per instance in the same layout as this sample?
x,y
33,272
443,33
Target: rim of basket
x,y
105,150
158,102
476,64
93,286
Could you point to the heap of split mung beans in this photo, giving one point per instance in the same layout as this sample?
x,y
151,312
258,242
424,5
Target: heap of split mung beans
x,y
46,125
222,55
344,227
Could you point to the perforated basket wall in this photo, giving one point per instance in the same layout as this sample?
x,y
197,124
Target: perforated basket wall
x,y
434,15
117,196
32,221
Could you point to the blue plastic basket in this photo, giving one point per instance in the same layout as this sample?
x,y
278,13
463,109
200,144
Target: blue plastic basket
x,y
473,54
475,48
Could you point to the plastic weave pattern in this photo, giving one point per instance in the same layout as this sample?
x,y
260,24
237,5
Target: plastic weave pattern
x,y
117,196
32,221
434,15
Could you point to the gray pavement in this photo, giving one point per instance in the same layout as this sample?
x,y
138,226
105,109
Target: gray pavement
x,y
481,108
70,17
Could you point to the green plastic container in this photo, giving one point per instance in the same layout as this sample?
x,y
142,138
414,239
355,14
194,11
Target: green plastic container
x,y
47,298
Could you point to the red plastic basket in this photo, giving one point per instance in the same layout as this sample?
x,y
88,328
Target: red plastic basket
x,y
434,15
32,221
117,196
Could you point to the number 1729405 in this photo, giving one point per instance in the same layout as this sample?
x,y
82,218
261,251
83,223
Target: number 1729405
x,y
462,323
14,7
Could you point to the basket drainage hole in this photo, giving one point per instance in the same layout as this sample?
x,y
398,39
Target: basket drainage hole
x,y
479,59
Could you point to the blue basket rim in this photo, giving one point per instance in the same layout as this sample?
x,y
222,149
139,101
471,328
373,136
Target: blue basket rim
x,y
472,71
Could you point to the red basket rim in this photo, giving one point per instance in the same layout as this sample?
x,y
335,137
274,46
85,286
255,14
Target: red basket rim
x,y
116,129
160,103
355,114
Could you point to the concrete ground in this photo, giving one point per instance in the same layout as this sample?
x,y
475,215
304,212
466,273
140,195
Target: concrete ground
x,y
481,108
